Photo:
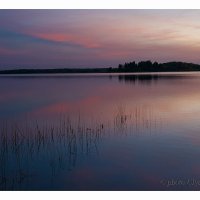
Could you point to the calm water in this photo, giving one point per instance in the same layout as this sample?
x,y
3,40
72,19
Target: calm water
x,y
100,132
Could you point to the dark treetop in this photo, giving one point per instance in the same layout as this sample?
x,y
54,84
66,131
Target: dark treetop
x,y
143,66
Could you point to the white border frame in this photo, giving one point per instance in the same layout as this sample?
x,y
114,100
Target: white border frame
x,y
99,4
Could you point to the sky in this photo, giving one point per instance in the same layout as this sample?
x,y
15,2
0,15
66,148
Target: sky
x,y
97,38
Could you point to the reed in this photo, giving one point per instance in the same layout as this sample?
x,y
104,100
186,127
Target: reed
x,y
60,144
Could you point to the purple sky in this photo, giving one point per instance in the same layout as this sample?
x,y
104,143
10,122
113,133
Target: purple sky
x,y
97,38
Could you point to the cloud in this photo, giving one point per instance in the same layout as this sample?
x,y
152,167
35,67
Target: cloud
x,y
93,38
66,38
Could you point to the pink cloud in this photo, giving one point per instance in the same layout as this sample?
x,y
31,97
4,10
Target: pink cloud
x,y
65,37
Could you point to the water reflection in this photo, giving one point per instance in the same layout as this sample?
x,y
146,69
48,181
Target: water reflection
x,y
149,78
138,78
29,150
141,120
69,133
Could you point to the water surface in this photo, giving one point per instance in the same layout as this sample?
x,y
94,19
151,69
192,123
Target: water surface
x,y
100,132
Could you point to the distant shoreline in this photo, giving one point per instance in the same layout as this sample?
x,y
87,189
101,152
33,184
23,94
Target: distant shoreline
x,y
132,67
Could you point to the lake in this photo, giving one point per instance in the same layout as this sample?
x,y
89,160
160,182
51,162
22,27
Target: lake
x,y
100,132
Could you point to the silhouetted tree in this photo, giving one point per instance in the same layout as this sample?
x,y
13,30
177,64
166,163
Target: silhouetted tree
x,y
145,65
120,66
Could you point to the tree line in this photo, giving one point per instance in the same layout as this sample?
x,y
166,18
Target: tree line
x,y
148,66
142,66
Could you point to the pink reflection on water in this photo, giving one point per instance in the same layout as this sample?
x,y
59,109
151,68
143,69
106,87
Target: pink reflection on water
x,y
88,104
